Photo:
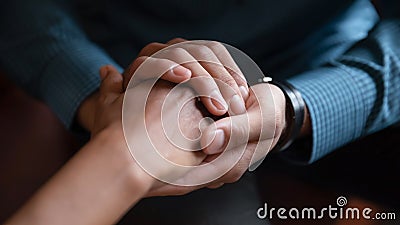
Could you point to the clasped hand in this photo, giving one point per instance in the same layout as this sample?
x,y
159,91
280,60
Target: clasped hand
x,y
248,121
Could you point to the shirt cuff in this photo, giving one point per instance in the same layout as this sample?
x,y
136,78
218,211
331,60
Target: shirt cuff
x,y
334,98
71,77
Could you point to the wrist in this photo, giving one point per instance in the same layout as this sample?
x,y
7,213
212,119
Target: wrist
x,y
122,164
294,113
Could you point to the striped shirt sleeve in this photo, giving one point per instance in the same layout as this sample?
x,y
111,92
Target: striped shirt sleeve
x,y
47,53
355,94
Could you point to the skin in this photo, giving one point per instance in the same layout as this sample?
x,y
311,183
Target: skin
x,y
254,108
215,148
110,181
232,95
102,181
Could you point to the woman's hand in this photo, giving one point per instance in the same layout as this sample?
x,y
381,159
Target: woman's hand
x,y
102,181
147,110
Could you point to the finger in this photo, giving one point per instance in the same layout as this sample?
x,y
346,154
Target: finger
x,y
259,123
226,83
240,166
154,47
175,41
204,86
111,80
210,158
151,67
215,186
250,159
210,172
151,48
235,131
225,58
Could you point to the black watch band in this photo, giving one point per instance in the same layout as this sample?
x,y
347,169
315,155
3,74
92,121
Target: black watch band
x,y
295,107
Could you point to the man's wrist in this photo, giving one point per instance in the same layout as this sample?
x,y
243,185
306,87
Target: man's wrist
x,y
294,113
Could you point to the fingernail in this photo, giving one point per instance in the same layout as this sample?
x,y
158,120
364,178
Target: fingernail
x,y
218,101
181,71
218,143
244,92
237,105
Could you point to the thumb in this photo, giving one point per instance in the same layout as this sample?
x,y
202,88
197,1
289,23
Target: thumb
x,y
257,124
111,81
231,132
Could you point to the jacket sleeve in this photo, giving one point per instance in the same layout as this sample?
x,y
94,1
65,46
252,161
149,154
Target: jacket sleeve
x,y
355,94
45,51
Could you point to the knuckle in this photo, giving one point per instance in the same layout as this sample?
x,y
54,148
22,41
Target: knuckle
x,y
239,134
149,48
176,40
203,51
215,45
139,60
227,84
134,65
164,64
239,79
152,45
242,132
178,52
227,79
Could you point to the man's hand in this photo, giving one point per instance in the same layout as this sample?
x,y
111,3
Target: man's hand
x,y
246,139
205,59
224,85
247,136
264,124
258,131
